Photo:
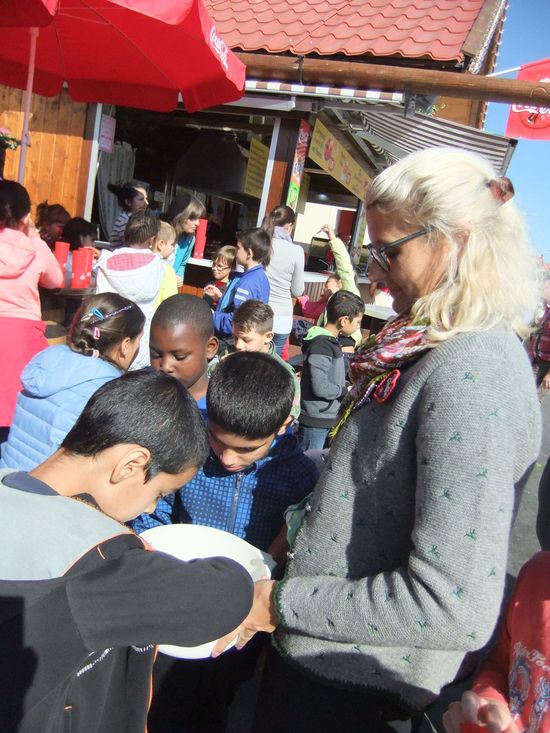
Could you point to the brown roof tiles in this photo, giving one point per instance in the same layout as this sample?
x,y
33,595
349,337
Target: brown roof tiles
x,y
433,29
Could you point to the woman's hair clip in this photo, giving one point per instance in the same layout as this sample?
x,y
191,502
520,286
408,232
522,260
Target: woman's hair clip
x,y
96,333
502,189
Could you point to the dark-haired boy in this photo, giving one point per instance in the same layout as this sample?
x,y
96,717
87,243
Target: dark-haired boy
x,y
137,273
253,331
255,470
323,382
82,602
182,342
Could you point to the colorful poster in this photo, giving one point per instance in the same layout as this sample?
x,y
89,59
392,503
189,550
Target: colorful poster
x,y
300,155
527,121
255,170
333,158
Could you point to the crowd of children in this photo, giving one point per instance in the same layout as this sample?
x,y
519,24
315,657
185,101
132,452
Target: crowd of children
x,y
210,427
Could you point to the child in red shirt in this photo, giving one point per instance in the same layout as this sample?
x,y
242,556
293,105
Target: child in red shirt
x,y
511,691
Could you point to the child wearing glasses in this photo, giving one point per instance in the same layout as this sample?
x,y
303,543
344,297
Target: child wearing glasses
x,y
222,265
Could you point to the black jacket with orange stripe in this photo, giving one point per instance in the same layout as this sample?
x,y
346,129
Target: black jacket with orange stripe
x,y
82,604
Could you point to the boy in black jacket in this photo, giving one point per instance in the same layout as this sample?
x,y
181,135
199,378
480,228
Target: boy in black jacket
x,y
323,382
82,601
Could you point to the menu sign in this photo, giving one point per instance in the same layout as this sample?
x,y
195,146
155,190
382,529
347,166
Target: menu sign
x,y
255,171
333,158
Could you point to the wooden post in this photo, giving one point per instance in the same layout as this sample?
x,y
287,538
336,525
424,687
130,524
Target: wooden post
x,y
396,79
282,163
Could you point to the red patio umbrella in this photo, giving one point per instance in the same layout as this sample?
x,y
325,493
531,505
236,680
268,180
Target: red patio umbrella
x,y
135,53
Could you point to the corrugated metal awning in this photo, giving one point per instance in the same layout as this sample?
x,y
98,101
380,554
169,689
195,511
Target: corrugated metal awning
x,y
398,135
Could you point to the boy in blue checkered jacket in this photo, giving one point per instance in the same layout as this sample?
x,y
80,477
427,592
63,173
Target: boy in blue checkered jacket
x,y
255,470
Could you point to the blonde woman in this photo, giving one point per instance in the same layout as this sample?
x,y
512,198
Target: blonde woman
x,y
398,568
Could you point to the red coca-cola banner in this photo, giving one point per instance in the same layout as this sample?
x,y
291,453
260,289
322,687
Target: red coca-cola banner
x,y
524,120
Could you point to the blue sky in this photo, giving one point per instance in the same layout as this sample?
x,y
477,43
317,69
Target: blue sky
x,y
526,38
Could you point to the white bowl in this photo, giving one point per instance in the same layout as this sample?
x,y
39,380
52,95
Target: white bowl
x,y
192,541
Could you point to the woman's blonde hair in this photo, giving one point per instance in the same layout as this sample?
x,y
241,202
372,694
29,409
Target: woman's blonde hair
x,y
490,277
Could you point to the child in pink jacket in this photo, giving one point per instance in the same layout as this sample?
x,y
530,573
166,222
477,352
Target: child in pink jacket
x,y
25,263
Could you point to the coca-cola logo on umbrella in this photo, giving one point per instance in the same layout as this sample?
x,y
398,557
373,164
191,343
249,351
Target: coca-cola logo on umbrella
x,y
219,46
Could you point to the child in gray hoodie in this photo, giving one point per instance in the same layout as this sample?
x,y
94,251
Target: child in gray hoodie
x,y
323,382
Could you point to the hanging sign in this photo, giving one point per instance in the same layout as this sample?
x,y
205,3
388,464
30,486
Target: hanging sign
x,y
526,121
298,164
333,158
107,134
255,170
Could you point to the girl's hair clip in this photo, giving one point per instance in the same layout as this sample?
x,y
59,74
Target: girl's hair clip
x,y
96,333
120,310
502,189
97,313
95,354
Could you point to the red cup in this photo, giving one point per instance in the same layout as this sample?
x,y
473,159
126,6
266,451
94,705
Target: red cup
x,y
90,261
61,253
81,274
200,239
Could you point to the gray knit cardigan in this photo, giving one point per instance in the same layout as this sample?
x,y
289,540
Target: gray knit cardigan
x,y
399,565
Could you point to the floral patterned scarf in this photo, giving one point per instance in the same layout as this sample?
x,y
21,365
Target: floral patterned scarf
x,y
375,368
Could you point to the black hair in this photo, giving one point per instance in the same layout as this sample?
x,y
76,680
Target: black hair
x,y
124,192
254,315
343,303
148,409
78,227
259,242
102,322
141,227
47,214
280,216
250,394
15,204
185,309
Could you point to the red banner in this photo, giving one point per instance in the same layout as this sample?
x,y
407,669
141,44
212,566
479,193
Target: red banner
x,y
529,122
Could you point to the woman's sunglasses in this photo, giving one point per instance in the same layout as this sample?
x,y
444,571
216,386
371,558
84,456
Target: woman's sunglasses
x,y
379,253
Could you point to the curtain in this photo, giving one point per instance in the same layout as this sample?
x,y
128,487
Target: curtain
x,y
116,167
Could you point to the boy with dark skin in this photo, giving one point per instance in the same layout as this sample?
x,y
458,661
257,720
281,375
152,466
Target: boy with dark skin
x,y
182,342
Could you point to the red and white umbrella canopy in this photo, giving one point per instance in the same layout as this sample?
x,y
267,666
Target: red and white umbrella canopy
x,y
135,53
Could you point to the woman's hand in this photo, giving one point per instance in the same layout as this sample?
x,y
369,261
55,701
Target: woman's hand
x,y
262,617
329,231
475,713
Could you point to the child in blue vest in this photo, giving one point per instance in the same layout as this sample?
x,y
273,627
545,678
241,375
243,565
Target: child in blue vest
x,y
253,254
102,342
255,470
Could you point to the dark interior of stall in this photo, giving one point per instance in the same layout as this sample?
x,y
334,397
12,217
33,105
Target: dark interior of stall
x,y
207,154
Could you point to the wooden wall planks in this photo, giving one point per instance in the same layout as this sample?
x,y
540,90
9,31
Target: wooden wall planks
x,y
58,159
